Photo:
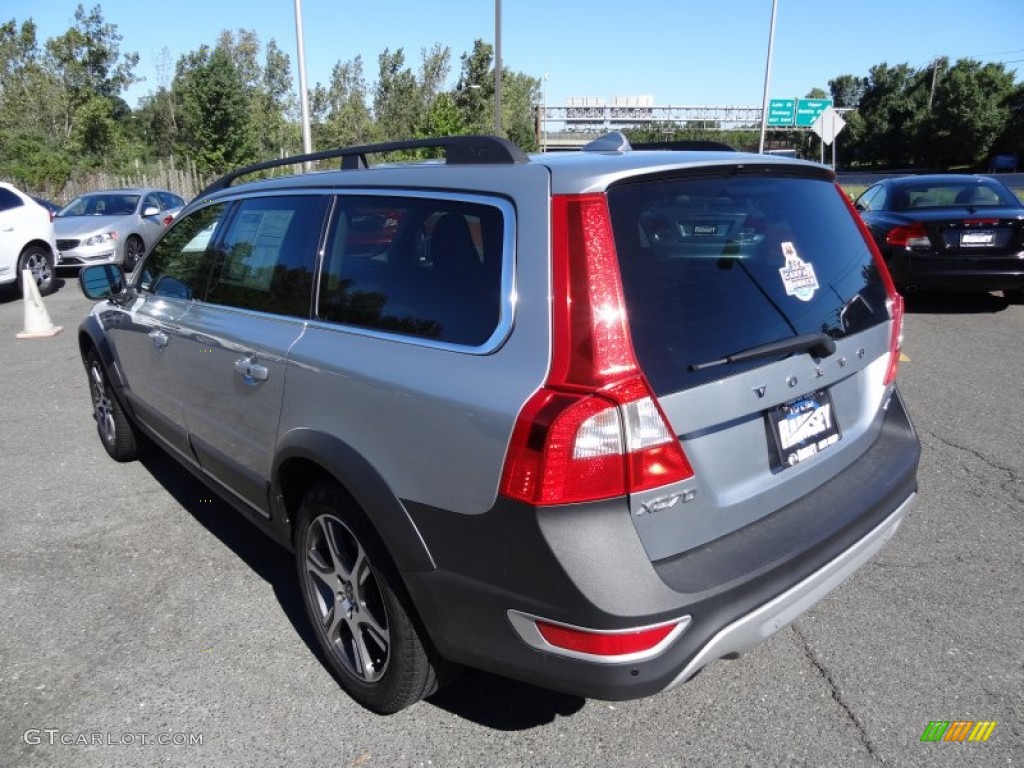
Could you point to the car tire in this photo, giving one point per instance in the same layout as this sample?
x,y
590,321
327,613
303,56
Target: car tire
x,y
119,436
134,248
361,614
1015,297
39,261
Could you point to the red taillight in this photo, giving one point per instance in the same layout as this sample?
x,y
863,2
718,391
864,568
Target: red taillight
x,y
167,220
603,643
594,430
911,236
896,339
894,300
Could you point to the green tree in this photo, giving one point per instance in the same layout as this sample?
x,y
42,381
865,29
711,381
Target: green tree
x,y
474,93
893,106
1011,138
87,62
847,90
276,104
968,112
340,114
396,103
216,122
519,102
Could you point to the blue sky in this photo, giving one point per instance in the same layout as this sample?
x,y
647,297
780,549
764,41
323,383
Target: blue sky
x,y
681,52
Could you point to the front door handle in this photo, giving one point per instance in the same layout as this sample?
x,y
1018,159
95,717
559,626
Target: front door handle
x,y
159,339
251,370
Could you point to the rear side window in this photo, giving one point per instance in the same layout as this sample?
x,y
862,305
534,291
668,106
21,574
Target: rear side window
x,y
9,200
713,266
422,267
266,259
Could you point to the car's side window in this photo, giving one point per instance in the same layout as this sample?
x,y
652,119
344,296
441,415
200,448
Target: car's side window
x,y
9,200
151,201
178,266
865,200
267,257
879,200
423,267
167,200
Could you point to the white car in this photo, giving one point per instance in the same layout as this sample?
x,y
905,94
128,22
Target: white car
x,y
26,240
115,226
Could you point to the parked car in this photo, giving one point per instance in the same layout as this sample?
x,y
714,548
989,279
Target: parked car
x,y
115,226
49,205
953,232
26,240
588,420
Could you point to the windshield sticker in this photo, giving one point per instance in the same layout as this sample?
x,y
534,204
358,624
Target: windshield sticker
x,y
798,275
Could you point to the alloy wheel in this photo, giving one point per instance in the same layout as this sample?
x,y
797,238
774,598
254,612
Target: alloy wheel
x,y
349,597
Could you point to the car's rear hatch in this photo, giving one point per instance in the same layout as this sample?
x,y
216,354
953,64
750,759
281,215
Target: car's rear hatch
x,y
760,318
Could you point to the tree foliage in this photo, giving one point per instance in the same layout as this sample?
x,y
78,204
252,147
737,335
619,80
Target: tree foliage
x,y
216,125
938,116
233,102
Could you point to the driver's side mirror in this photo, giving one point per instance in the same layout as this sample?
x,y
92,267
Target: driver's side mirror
x,y
101,281
150,210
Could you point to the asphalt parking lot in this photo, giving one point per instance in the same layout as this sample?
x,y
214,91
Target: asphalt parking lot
x,y
142,623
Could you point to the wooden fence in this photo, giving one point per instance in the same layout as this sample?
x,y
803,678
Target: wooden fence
x,y
163,175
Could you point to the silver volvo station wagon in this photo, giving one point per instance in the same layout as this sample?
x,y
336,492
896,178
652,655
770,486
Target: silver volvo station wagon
x,y
589,420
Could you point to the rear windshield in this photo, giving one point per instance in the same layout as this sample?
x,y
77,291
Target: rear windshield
x,y
712,266
950,193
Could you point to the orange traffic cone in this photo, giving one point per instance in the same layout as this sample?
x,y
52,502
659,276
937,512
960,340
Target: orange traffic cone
x,y
38,324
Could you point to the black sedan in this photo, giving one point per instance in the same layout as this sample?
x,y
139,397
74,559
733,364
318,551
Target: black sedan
x,y
948,232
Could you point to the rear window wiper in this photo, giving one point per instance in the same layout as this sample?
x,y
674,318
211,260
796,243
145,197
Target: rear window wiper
x,y
818,344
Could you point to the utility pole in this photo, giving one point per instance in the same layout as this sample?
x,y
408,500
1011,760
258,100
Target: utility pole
x,y
767,79
935,77
497,68
307,140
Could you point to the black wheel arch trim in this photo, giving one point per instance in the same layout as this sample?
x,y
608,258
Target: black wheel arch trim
x,y
367,487
92,336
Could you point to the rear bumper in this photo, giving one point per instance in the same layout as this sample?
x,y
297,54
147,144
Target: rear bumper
x,y
958,273
583,566
763,622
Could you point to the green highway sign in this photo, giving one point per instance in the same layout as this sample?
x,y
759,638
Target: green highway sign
x,y
781,112
807,111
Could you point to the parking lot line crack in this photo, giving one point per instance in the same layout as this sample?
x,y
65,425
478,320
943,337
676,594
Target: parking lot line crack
x,y
1012,485
826,675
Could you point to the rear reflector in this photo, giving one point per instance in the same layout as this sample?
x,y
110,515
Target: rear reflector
x,y
608,646
603,644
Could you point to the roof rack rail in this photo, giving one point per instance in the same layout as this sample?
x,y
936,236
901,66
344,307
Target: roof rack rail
x,y
459,150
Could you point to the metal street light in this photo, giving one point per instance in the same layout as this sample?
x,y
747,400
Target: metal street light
x,y
307,139
767,79
544,112
497,68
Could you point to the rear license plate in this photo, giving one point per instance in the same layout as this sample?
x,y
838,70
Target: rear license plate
x,y
986,237
803,427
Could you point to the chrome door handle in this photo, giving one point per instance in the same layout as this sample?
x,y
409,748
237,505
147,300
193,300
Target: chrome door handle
x,y
250,369
159,339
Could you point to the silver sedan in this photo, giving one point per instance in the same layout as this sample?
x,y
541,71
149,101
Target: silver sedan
x,y
114,226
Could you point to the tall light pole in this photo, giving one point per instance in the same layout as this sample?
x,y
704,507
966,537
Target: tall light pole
x,y
767,79
307,139
497,68
544,113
